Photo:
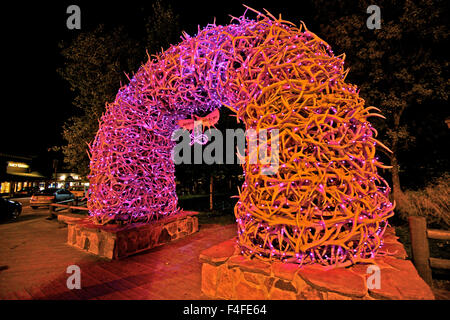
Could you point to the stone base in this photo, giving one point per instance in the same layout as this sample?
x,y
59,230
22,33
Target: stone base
x,y
68,218
116,242
228,275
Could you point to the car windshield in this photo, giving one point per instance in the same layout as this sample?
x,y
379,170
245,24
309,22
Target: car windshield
x,y
46,192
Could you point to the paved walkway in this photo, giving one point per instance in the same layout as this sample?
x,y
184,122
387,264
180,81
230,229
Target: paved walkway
x,y
34,259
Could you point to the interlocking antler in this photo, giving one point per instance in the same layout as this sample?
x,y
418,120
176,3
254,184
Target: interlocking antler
x,y
326,204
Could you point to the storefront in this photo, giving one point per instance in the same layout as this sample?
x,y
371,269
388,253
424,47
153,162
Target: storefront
x,y
17,177
69,179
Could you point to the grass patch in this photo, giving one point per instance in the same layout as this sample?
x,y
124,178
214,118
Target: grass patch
x,y
192,196
433,203
215,217
438,249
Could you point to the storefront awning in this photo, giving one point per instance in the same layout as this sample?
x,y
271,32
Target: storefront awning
x,y
33,174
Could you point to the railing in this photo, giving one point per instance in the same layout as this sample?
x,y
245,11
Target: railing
x,y
70,205
420,247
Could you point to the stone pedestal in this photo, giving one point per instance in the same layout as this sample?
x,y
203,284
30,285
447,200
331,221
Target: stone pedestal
x,y
228,275
116,242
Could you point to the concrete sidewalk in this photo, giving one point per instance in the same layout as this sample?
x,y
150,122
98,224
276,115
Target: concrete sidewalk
x,y
34,258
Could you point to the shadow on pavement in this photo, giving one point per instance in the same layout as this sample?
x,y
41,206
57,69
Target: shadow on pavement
x,y
26,217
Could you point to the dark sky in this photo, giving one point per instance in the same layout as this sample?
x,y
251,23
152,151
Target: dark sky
x,y
37,101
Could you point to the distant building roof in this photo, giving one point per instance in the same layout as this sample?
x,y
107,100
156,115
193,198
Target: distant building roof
x,y
33,174
15,156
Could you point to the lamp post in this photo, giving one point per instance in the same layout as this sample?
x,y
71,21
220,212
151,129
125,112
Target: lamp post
x,y
55,167
51,209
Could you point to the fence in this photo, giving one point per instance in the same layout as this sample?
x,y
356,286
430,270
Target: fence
x,y
70,205
421,250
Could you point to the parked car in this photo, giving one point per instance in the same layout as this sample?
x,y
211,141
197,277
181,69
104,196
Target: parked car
x,y
79,191
50,195
9,209
25,192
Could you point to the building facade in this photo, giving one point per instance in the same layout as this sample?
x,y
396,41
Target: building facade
x,y
69,179
17,175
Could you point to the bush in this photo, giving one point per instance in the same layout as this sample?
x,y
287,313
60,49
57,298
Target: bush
x,y
431,202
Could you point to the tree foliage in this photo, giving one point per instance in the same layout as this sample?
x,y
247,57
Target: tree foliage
x,y
95,66
163,28
398,67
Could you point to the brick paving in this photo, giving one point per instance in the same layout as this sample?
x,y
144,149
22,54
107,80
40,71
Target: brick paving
x,y
34,257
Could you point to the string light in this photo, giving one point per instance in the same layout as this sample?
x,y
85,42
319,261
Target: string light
x,y
273,75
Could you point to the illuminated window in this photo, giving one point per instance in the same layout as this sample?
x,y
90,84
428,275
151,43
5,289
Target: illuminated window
x,y
5,187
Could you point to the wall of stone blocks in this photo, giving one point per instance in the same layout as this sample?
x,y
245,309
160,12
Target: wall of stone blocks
x,y
228,275
116,242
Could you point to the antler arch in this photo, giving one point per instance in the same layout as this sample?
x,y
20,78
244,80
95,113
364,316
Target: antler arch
x,y
326,203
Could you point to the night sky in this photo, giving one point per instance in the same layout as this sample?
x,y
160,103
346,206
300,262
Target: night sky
x,y
37,101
